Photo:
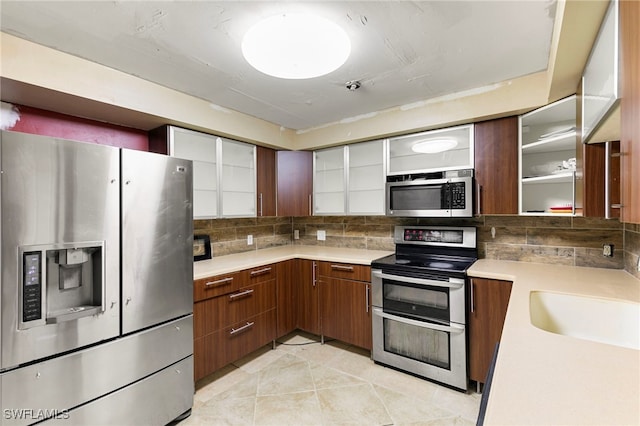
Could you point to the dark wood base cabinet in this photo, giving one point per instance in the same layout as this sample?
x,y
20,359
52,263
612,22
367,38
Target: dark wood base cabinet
x,y
345,303
218,349
237,313
234,314
487,311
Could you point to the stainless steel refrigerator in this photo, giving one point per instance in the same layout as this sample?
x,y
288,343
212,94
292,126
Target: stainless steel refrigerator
x,y
96,299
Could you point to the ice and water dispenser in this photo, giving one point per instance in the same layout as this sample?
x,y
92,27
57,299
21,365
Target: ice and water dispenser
x,y
61,282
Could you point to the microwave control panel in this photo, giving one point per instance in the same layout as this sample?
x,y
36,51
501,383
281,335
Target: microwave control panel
x,y
457,195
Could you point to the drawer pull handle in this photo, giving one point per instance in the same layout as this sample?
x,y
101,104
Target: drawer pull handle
x,y
260,271
242,293
219,282
241,329
342,268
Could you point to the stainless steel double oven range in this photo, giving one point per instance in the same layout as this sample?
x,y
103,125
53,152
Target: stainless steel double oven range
x,y
419,308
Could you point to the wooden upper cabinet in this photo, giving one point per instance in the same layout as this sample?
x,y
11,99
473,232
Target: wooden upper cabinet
x,y
496,166
630,110
266,185
294,176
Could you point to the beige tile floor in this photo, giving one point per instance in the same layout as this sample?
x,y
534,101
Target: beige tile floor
x,y
303,382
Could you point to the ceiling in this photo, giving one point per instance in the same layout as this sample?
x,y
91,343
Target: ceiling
x,y
402,51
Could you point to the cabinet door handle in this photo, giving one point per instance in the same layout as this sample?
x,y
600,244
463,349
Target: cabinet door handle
x,y
342,268
313,274
242,293
471,301
241,329
260,197
478,199
260,271
366,297
219,282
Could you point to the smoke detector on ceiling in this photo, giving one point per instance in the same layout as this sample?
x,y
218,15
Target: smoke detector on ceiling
x,y
353,85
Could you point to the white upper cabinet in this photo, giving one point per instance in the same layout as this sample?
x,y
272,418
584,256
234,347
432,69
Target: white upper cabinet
x,y
238,180
329,180
435,150
201,149
547,139
366,191
224,173
350,179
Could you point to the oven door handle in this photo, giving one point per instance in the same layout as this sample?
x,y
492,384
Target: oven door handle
x,y
452,283
452,328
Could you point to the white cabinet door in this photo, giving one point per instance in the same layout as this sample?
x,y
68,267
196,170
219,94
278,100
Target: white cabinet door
x,y
238,180
435,150
547,159
329,181
366,192
201,149
224,173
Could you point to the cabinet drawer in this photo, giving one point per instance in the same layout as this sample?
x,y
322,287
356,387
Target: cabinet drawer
x,y
215,286
222,311
234,342
345,270
258,274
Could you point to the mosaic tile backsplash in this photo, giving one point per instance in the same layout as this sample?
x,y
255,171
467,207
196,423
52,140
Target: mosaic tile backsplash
x,y
558,240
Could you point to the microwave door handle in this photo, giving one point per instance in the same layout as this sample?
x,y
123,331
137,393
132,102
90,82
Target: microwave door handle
x,y
452,328
454,283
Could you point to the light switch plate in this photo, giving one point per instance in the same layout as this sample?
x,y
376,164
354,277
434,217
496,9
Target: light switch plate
x,y
322,235
296,234
249,240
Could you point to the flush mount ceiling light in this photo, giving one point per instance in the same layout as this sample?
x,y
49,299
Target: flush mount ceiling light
x,y
296,46
433,146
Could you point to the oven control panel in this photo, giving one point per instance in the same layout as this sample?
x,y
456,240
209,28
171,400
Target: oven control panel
x,y
433,235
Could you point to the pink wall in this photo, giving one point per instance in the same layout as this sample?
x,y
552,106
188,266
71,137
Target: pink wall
x,y
47,123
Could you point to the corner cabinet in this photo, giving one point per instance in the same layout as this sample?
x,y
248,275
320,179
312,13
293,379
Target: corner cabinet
x,y
547,145
224,170
350,179
294,181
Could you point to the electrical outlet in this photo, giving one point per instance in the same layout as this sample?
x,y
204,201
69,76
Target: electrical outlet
x,y
638,266
322,235
296,234
607,250
249,240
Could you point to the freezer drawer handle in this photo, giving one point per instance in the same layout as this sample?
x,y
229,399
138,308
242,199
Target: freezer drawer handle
x,y
242,293
260,271
342,268
219,282
241,329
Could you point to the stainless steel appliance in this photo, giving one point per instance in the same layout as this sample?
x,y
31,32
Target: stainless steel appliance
x,y
96,322
441,194
418,298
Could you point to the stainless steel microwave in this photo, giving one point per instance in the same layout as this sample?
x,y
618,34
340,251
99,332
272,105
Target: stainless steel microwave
x,y
446,194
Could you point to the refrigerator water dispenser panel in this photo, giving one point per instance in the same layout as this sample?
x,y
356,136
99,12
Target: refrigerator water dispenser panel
x,y
61,282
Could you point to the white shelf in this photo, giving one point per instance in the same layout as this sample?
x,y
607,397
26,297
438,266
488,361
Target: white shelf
x,y
566,177
564,142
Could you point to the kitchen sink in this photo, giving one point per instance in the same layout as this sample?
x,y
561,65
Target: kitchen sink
x,y
614,322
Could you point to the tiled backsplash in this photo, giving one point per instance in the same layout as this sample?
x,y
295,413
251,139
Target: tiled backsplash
x,y
559,240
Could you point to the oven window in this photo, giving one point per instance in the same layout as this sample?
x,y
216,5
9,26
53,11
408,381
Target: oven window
x,y
418,343
416,197
416,300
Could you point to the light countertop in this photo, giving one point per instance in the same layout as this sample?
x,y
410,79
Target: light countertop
x,y
252,259
542,378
